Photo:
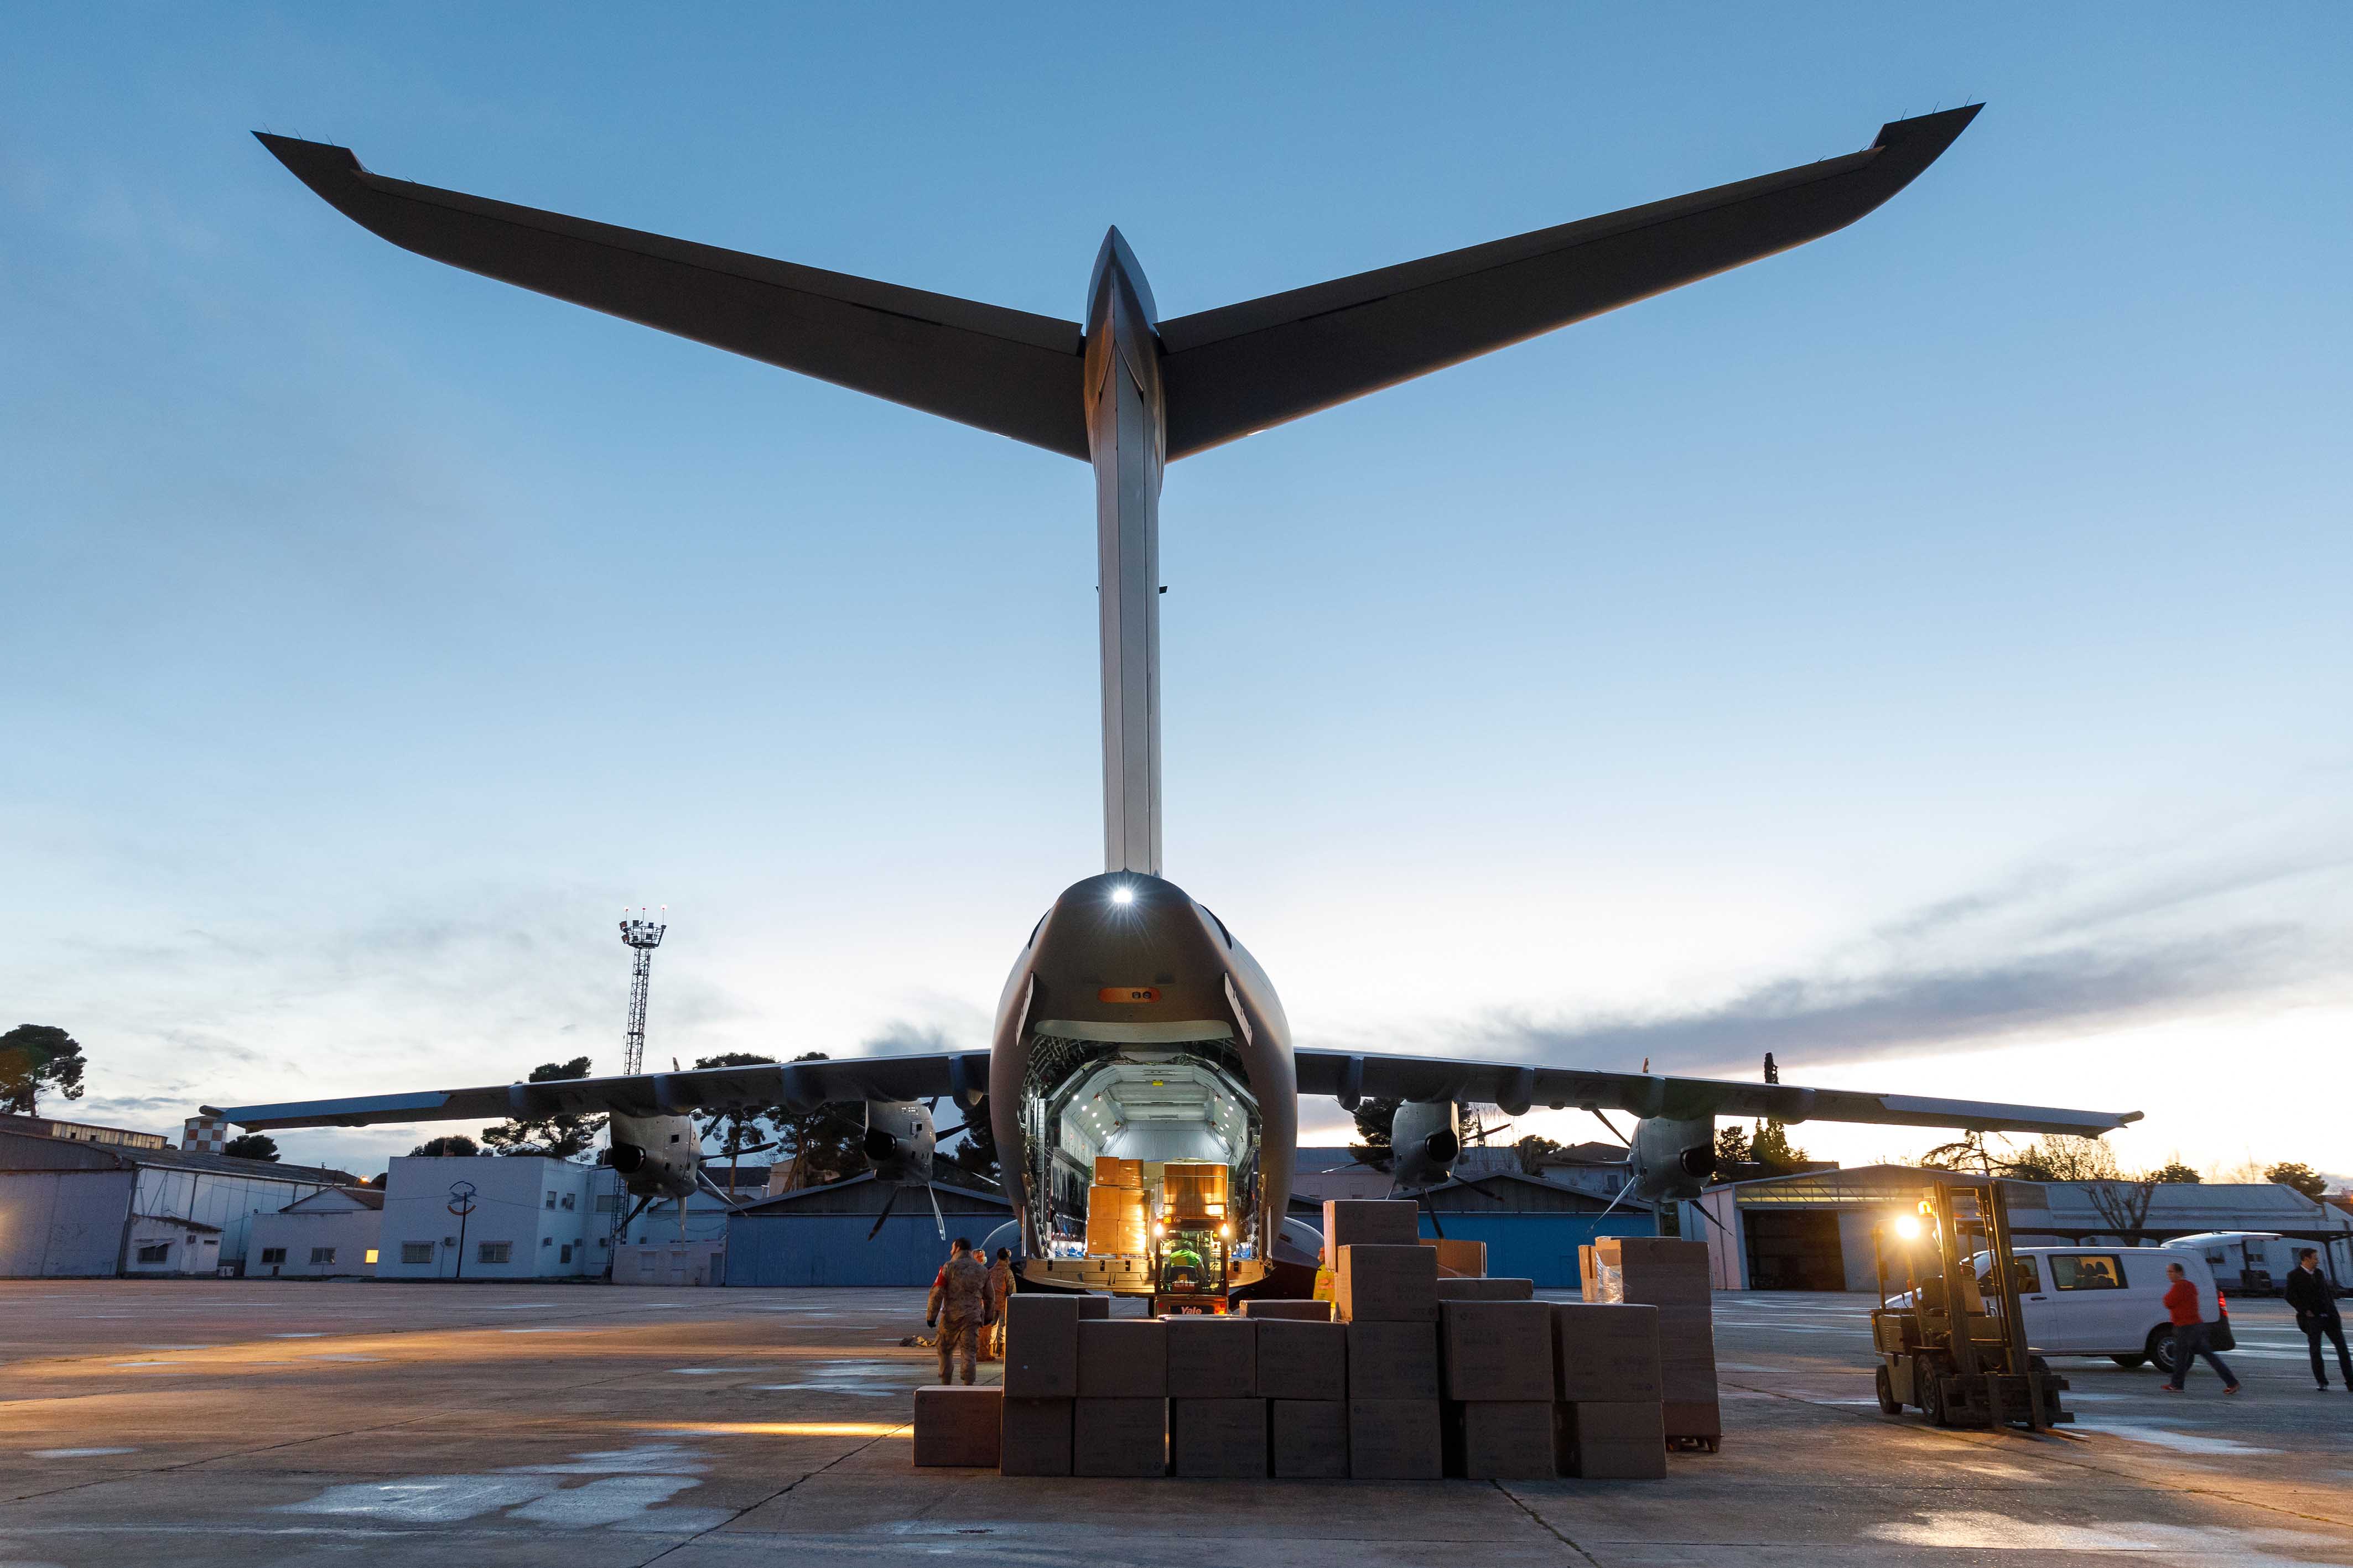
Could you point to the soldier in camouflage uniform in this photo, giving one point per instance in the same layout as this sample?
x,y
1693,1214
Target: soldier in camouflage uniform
x,y
959,1306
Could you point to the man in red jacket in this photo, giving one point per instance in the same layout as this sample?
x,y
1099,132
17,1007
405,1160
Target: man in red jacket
x,y
2189,1332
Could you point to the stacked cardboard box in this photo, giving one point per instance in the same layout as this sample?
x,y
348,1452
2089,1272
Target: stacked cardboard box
x,y
956,1424
1458,1259
1041,1384
1387,1292
1217,1418
1606,1380
1368,1221
1115,1222
1465,1289
1119,1426
1297,1311
1111,1173
1192,1191
1671,1275
1302,1374
1498,1360
1588,1283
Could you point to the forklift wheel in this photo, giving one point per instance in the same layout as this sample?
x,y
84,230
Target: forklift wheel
x,y
1888,1404
1930,1388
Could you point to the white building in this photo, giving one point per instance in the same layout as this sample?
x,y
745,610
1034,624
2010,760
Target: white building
x,y
525,1217
327,1234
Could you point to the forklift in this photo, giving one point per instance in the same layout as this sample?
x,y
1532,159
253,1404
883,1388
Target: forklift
x,y
1952,1341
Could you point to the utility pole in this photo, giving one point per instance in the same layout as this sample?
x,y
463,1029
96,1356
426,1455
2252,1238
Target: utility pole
x,y
643,936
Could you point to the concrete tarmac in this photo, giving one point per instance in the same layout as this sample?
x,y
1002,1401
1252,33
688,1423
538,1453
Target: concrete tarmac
x,y
254,1423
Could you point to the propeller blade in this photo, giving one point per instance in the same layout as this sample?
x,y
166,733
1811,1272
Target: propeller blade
x,y
1605,1121
944,1134
1620,1197
938,1218
1431,1209
1711,1219
888,1204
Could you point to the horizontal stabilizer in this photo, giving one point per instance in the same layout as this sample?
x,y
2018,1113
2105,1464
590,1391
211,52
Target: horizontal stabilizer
x,y
1517,1086
1006,370
1241,368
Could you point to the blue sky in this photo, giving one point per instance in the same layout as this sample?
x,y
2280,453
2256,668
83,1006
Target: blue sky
x,y
1924,655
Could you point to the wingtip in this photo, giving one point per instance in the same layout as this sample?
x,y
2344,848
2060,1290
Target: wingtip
x,y
1931,132
311,162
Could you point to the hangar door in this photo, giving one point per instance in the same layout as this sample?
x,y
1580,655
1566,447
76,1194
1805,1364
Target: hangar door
x,y
1794,1250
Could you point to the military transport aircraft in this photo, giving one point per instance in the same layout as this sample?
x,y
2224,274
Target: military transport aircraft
x,y
1134,1027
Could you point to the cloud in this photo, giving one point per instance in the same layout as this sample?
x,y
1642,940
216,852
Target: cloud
x,y
2053,949
1824,1019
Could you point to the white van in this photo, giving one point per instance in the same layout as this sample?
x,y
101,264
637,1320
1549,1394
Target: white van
x,y
2106,1300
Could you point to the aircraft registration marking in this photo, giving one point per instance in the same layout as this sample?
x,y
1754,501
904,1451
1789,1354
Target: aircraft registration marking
x,y
1128,994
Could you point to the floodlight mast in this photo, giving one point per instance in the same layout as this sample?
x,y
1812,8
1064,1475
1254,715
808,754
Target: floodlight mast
x,y
643,936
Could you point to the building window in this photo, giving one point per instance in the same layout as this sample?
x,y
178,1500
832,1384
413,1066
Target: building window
x,y
606,1203
567,1200
322,1255
416,1252
492,1251
159,1253
273,1255
369,1256
565,1256
551,1200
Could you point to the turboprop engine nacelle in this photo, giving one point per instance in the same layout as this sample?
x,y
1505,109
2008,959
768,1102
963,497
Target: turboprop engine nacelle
x,y
899,1142
655,1155
1670,1161
1424,1143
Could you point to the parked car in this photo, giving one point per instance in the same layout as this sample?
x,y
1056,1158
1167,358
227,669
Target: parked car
x,y
2107,1300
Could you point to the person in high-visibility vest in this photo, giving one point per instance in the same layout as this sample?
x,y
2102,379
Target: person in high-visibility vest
x,y
1323,1278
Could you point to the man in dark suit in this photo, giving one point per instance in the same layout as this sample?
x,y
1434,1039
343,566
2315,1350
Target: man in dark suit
x,y
2308,1292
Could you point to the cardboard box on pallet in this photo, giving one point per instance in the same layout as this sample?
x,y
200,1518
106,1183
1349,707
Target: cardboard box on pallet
x,y
1395,1440
1309,1438
1218,1437
1368,1221
1496,1351
1041,1346
1468,1290
1035,1437
1687,1354
1393,1360
1093,1307
1500,1440
1212,1357
1655,1270
1119,1438
1114,1173
1588,1281
1122,1357
1115,1221
1604,1351
1601,1440
1384,1284
1458,1259
1296,1311
958,1424
1302,1361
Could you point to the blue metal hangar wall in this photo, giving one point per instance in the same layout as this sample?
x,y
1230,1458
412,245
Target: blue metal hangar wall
x,y
819,1237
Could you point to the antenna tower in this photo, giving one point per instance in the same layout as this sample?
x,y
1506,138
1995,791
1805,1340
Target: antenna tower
x,y
643,936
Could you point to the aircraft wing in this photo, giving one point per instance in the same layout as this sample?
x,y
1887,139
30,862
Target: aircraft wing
x,y
1516,1087
1006,370
800,1086
1241,368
